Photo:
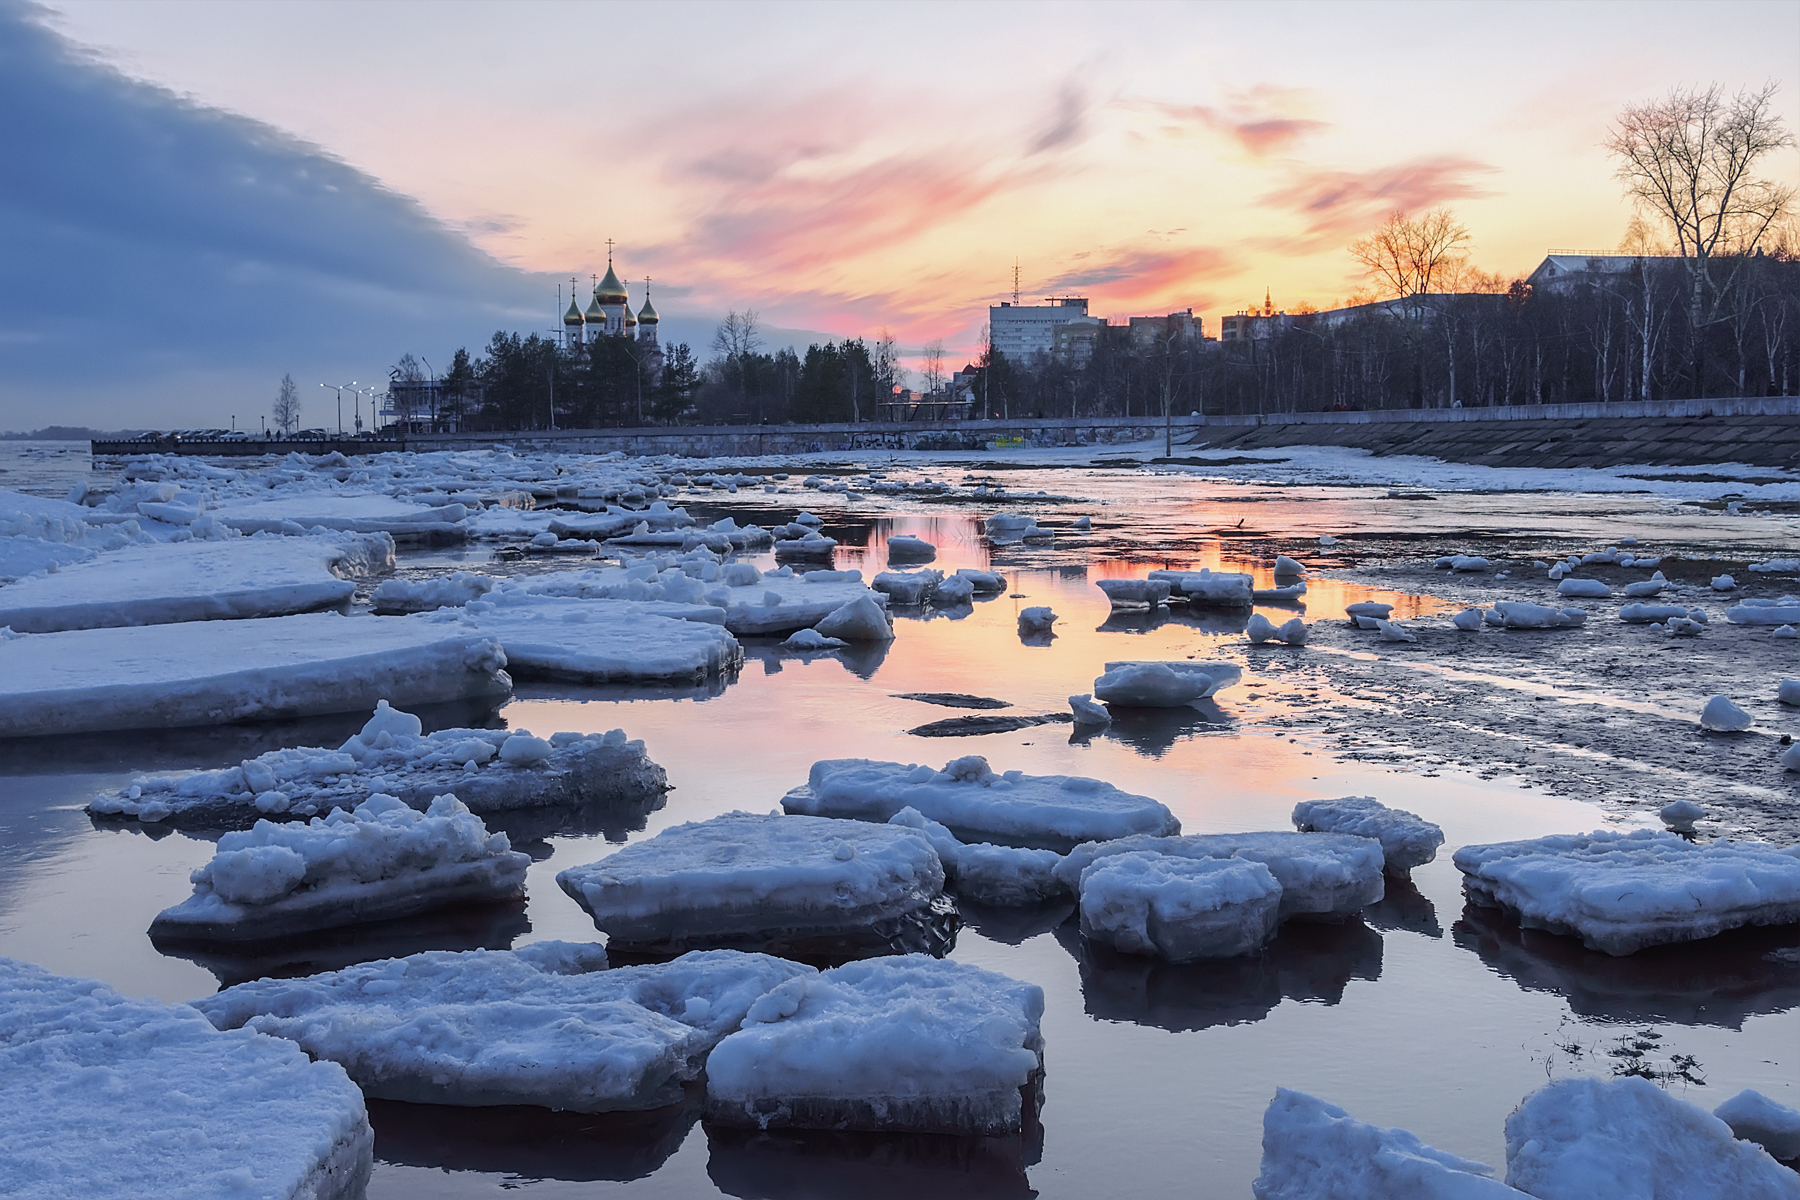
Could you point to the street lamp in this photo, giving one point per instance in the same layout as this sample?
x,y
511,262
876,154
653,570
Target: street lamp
x,y
339,389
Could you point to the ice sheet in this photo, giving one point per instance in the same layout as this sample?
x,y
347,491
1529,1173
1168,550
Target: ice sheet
x,y
1407,840
596,641
1180,909
1322,875
1316,1151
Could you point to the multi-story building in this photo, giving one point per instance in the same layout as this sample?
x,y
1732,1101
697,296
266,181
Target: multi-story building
x,y
1021,332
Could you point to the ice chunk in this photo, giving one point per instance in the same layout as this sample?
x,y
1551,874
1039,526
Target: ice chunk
x,y
1390,632
1124,593
405,520
547,1025
108,1098
1723,583
741,574
1784,632
1163,684
1286,567
1277,595
1036,620
1620,892
602,641
1789,566
1681,815
1323,875
1294,632
1003,876
1785,611
1754,1117
1260,629
1722,716
1054,811
1217,589
1519,614
444,591
1089,712
1181,909
209,673
1004,528
1637,614
1407,840
1325,539
1576,1139
1583,588
858,620
952,591
1788,691
811,639
1316,1151
800,885
910,1044
1683,627
1790,758
1468,620
984,581
1368,608
382,860
906,546
907,587
812,546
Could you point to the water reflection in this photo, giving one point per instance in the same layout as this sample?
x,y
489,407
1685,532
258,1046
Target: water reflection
x,y
807,1165
1719,981
1306,962
711,687
1013,926
469,927
1404,909
1152,732
532,1143
861,659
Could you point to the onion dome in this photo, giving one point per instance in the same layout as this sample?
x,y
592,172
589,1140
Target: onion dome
x,y
647,314
573,316
595,316
610,291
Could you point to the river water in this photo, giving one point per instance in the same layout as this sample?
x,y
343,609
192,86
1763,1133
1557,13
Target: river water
x,y
1422,1014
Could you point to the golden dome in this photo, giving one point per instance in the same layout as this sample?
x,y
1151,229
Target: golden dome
x,y
647,314
594,315
610,290
573,316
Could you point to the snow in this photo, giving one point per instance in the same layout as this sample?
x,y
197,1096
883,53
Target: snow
x,y
1785,611
1089,712
1003,876
1035,621
1316,1151
1392,632
1722,716
1180,909
425,595
1681,815
1124,593
482,766
380,861
1324,875
1583,589
1576,1139
905,545
1369,608
1638,614
907,587
755,882
196,581
1620,892
1786,566
909,1044
812,639
1520,614
25,556
1163,684
858,620
1407,840
192,674
595,641
1054,811
1468,620
1754,1117
367,513
546,1025
695,578
108,1097
1216,589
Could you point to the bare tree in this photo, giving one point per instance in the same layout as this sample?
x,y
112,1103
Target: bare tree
x,y
1689,160
1408,258
885,363
286,409
406,380
738,335
934,367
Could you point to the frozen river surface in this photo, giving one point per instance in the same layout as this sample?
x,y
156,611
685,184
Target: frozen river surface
x,y
1422,1014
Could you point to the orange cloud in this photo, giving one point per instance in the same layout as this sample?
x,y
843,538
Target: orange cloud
x,y
1333,203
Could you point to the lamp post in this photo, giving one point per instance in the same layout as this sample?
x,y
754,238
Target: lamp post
x,y
339,389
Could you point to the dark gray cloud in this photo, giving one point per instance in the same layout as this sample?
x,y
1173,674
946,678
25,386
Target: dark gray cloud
x,y
165,261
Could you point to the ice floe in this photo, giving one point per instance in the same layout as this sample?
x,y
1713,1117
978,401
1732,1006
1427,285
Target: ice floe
x,y
382,860
1130,593
1582,589
910,1044
404,520
858,620
391,754
1003,876
1680,816
393,596
190,674
110,1098
798,885
1753,1117
984,582
1407,840
1051,811
1208,588
1620,892
907,587
546,1025
1180,909
595,641
1322,875
1521,614
1722,716
1087,711
906,546
1763,611
1006,528
1163,684
811,639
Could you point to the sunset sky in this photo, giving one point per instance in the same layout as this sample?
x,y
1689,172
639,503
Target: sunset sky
x,y
839,167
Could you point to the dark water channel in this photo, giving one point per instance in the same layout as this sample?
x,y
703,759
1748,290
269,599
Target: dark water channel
x,y
1421,1014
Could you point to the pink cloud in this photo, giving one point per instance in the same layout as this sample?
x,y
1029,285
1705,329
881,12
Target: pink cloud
x,y
1334,203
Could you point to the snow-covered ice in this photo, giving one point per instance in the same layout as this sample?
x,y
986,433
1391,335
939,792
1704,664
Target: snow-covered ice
x,y
1753,1117
109,1098
1468,620
1288,568
1369,608
196,581
911,1044
1407,840
1583,589
1393,632
391,754
1006,528
858,620
1052,811
1521,614
1087,711
983,581
1003,876
1164,684
545,1025
1208,588
1126,593
1180,909
1316,1151
367,513
425,595
214,672
953,590
1722,716
1784,632
1620,892
1035,621
811,639
1723,583
906,546
789,884
1322,875
1762,611
907,587
1582,1138
595,641
1681,815
382,860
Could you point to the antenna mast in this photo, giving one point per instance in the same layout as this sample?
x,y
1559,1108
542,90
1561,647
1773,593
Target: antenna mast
x,y
1015,283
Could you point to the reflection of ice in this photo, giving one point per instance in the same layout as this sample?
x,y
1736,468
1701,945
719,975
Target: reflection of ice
x,y
861,659
1305,962
791,1165
1014,925
470,927
1404,909
1203,620
1719,981
712,686
1152,731
531,1143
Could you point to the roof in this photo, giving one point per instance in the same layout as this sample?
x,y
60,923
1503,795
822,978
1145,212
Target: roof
x,y
609,290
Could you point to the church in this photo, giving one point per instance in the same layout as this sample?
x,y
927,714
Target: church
x,y
609,315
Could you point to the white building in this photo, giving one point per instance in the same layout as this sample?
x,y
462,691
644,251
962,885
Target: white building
x,y
1561,270
1023,331
610,315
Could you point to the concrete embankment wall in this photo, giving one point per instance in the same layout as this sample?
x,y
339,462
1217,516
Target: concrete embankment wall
x,y
1759,431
